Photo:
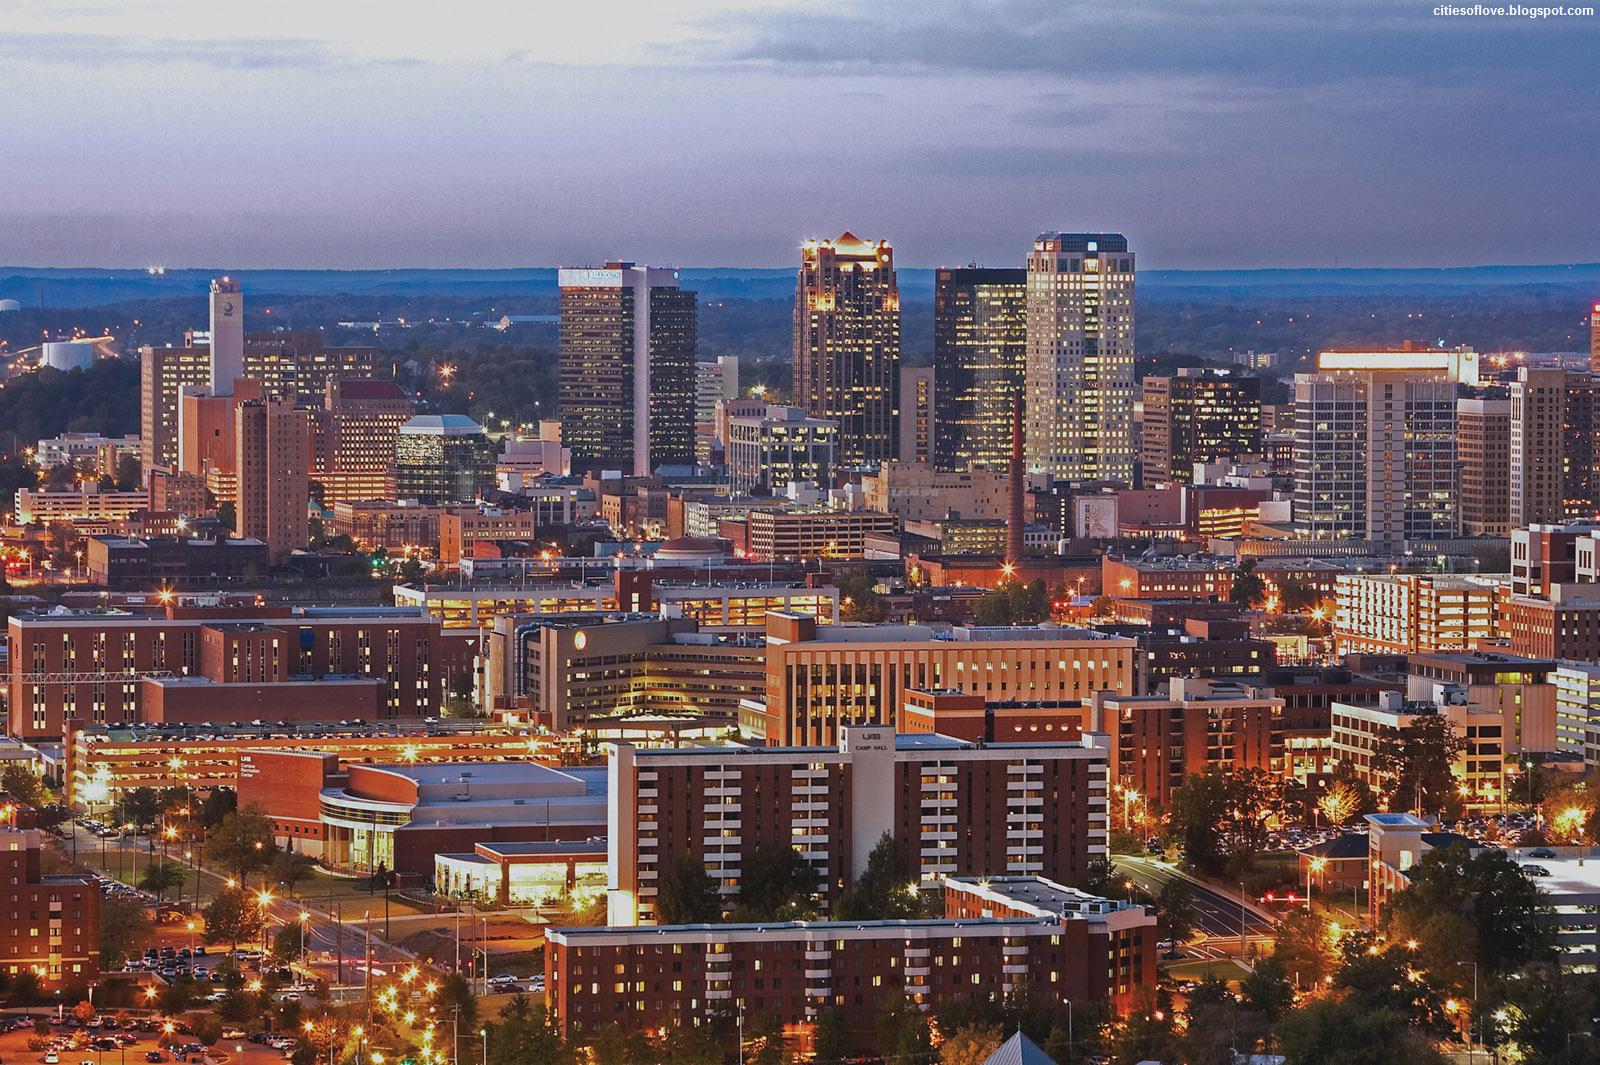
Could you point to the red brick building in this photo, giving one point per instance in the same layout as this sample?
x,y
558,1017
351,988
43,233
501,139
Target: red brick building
x,y
1567,625
225,663
52,927
954,808
998,938
1158,741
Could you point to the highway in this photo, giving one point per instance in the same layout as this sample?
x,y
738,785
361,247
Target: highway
x,y
1216,914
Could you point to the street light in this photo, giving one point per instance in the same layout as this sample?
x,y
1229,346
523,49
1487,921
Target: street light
x,y
1315,865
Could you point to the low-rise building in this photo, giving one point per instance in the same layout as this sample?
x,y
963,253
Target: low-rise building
x,y
148,563
813,533
1361,735
361,819
1400,613
1000,937
87,502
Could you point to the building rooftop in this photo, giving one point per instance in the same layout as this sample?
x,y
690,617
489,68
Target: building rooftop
x,y
441,424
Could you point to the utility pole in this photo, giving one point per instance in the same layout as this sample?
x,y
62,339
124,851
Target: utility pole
x,y
338,935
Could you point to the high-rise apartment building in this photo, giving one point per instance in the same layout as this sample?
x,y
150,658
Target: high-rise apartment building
x,y
847,344
442,458
627,368
980,346
1079,375
955,808
1375,447
1483,448
714,382
353,437
273,454
918,429
1553,469
1198,415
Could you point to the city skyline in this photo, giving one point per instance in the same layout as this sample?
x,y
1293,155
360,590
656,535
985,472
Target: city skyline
x,y
1216,136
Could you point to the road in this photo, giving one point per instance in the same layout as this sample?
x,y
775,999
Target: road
x,y
1217,915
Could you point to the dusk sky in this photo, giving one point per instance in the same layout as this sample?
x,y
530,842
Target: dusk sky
x,y
349,133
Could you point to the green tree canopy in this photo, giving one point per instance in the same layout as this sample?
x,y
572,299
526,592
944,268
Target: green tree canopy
x,y
1476,908
686,894
242,842
883,891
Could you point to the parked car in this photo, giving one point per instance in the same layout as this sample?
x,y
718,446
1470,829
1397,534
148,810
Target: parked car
x,y
1541,852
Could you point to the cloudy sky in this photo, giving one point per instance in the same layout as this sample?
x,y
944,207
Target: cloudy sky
x,y
359,133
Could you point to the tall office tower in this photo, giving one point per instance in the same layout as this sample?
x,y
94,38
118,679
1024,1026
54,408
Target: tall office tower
x,y
443,458
627,372
1375,447
297,365
980,345
1079,371
918,426
847,344
273,441
353,438
1483,447
1594,339
1198,415
1553,466
227,336
164,372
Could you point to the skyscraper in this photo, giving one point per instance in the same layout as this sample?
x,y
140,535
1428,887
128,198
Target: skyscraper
x,y
1553,468
980,346
353,438
1375,447
273,443
164,372
442,458
1483,446
627,368
847,344
227,336
1594,339
1198,415
1079,375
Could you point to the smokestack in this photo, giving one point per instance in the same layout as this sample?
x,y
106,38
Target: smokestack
x,y
1014,528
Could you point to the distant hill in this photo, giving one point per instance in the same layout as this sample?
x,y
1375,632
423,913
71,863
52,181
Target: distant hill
x,y
90,287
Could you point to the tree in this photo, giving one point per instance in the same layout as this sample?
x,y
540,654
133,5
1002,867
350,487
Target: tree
x,y
778,885
161,877
1220,817
24,785
1298,597
455,1000
831,1037
1175,907
1461,907
525,1035
903,1032
290,868
882,892
1014,603
286,942
1102,606
858,595
1415,764
1569,813
219,803
124,931
139,806
127,474
1248,589
1328,1031
242,842
970,1045
1266,990
687,894
1343,799
1536,1023
233,917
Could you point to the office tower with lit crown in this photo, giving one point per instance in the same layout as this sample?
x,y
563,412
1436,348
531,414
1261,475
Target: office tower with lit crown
x,y
847,344
1375,447
442,458
273,453
1198,415
1483,446
980,346
1552,468
627,368
1079,370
